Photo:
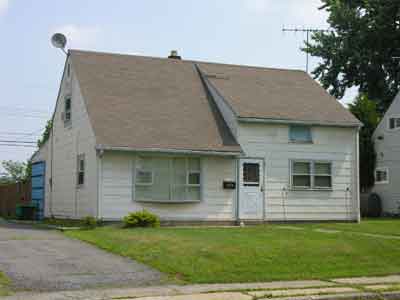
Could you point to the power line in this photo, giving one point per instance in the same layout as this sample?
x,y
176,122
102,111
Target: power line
x,y
307,31
23,142
24,109
26,116
16,145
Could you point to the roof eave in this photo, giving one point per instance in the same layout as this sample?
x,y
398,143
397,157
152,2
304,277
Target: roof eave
x,y
169,151
299,122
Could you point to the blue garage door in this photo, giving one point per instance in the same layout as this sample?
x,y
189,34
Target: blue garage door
x,y
38,188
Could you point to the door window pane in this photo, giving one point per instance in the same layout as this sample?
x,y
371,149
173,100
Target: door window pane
x,y
251,174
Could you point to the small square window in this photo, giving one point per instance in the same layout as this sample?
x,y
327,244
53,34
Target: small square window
x,y
394,123
300,134
381,175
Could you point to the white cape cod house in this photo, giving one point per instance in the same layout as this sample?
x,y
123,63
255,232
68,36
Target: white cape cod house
x,y
387,147
198,142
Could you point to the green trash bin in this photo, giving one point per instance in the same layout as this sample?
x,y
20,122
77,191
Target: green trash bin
x,y
25,211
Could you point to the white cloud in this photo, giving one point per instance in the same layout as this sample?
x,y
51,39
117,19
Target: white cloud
x,y
79,36
3,6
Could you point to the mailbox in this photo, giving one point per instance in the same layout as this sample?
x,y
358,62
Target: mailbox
x,y
229,184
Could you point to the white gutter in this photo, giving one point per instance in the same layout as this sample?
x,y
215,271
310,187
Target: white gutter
x,y
172,151
287,121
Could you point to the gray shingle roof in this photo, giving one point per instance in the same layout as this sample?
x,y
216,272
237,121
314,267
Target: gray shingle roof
x,y
144,102
148,103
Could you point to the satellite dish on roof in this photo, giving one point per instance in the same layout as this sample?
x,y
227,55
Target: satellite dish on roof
x,y
58,40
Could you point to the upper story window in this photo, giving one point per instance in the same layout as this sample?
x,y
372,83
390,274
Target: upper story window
x,y
81,170
300,134
394,123
67,110
167,179
381,175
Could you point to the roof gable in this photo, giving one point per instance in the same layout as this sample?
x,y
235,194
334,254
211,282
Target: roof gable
x,y
148,103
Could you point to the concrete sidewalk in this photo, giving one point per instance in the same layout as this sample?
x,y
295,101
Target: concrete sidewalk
x,y
387,287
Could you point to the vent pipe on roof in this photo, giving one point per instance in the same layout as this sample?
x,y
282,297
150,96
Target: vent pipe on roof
x,y
174,55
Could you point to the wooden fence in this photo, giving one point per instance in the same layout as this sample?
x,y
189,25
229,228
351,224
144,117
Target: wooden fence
x,y
13,194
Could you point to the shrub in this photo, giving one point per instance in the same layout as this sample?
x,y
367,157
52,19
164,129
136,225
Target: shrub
x,y
90,222
141,219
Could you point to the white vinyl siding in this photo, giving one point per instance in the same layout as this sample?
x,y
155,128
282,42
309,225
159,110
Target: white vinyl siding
x,y
330,144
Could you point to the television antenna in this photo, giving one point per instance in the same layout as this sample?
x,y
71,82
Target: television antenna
x,y
307,31
58,40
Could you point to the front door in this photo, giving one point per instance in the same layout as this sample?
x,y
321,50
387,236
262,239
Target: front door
x,y
251,195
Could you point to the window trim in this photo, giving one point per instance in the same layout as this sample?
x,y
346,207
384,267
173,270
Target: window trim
x,y
80,157
396,128
312,175
385,169
171,183
292,141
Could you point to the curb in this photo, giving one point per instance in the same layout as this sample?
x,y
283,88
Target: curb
x,y
350,296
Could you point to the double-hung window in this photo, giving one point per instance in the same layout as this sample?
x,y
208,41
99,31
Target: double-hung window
x,y
167,179
311,174
81,170
67,110
394,123
381,175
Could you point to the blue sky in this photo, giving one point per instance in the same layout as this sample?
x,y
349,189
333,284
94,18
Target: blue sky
x,y
231,31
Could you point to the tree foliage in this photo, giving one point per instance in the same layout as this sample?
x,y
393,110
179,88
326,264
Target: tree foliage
x,y
15,171
46,134
360,48
365,110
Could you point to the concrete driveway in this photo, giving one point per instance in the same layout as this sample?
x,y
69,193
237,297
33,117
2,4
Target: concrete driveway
x,y
45,260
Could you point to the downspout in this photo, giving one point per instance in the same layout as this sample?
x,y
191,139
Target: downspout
x,y
357,163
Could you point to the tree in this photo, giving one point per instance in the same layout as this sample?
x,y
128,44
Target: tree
x,y
359,50
45,134
14,171
365,110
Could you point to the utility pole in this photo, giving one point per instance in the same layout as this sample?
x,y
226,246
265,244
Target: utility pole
x,y
307,31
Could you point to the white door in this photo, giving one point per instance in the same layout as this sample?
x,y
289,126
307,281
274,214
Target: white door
x,y
251,195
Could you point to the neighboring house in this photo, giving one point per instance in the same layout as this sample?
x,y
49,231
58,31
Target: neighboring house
x,y
387,148
195,141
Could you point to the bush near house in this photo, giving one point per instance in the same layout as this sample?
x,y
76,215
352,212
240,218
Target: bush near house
x,y
141,219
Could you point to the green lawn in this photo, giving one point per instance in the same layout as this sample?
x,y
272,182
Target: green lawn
x,y
4,285
261,253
